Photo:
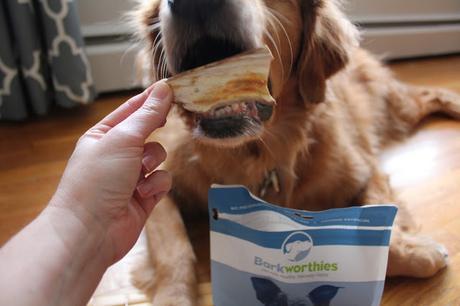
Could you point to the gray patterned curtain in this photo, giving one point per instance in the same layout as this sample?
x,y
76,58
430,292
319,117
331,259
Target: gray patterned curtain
x,y
42,62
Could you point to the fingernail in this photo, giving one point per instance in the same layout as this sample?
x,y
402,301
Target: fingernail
x,y
144,189
160,91
148,163
149,90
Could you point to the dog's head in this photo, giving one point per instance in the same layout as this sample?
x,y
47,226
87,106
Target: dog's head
x,y
310,40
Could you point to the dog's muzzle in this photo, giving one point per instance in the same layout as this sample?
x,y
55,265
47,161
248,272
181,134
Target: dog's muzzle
x,y
213,24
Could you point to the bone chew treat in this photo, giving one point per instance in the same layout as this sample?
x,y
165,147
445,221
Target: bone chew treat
x,y
240,78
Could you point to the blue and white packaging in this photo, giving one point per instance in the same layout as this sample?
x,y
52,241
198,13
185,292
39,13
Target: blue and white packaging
x,y
266,255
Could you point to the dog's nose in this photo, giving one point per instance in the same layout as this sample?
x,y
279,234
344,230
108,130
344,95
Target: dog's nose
x,y
195,10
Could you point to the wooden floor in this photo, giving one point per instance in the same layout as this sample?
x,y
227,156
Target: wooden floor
x,y
424,170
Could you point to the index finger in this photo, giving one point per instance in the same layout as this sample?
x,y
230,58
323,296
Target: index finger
x,y
125,110
147,118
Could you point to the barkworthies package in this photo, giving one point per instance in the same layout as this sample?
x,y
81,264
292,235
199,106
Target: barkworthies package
x,y
263,254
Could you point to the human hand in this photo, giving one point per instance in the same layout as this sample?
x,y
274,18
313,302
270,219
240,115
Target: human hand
x,y
104,185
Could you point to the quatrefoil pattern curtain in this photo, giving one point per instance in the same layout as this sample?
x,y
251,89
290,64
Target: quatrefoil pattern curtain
x,y
42,61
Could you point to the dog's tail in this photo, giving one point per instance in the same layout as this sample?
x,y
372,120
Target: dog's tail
x,y
408,105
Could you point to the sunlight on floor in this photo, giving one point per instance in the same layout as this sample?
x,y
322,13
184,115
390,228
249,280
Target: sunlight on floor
x,y
414,165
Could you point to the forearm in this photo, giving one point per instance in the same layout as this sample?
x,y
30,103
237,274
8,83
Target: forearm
x,y
52,263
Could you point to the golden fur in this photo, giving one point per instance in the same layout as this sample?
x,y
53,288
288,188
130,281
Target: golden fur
x,y
337,106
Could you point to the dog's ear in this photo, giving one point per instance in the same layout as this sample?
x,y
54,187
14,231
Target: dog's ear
x,y
328,39
144,21
268,293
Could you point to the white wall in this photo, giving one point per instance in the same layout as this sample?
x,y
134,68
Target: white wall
x,y
408,28
391,28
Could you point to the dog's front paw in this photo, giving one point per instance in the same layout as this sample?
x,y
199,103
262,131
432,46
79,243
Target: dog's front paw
x,y
416,256
175,295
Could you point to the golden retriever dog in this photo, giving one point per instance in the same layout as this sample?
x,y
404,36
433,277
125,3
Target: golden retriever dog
x,y
337,107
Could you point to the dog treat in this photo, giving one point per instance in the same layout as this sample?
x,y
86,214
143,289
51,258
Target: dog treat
x,y
262,254
240,78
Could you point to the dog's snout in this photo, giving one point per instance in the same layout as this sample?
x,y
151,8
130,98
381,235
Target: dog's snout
x,y
195,10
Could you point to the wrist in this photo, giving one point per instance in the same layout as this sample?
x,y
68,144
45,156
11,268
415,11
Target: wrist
x,y
80,232
63,259
79,252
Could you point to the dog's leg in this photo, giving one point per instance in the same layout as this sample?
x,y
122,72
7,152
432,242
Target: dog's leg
x,y
172,260
410,254
432,100
410,104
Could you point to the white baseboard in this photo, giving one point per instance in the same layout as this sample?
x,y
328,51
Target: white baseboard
x,y
397,11
113,66
406,42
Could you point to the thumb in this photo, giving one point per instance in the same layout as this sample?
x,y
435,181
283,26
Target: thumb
x,y
150,116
